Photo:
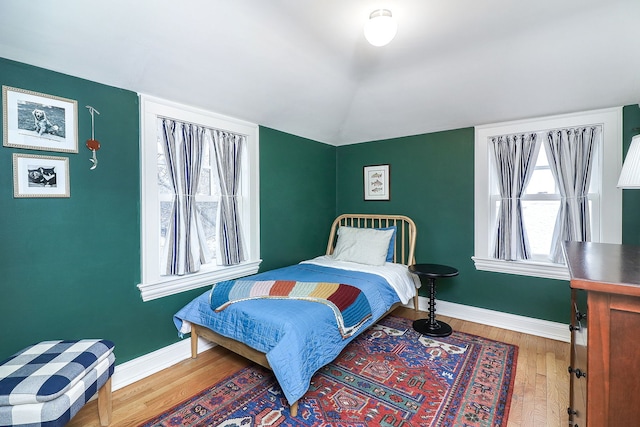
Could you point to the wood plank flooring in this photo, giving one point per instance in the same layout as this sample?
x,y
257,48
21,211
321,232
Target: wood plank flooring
x,y
540,397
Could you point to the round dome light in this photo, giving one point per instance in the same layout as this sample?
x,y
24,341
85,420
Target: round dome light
x,y
381,28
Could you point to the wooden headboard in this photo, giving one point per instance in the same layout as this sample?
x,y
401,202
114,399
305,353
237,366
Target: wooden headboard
x,y
405,244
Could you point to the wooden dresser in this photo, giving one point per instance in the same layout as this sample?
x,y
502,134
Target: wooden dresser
x,y
605,337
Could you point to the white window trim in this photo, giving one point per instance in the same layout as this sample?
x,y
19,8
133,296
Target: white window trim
x,y
153,284
611,196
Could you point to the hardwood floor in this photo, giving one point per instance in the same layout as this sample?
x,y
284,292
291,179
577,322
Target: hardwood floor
x,y
540,396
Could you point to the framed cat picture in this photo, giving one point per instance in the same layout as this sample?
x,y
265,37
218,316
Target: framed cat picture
x,y
40,176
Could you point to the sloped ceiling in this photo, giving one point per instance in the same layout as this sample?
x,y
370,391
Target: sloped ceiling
x,y
304,67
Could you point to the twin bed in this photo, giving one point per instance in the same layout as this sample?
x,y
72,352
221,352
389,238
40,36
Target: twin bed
x,y
296,319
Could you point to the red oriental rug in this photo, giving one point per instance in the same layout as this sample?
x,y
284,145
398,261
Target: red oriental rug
x,y
389,376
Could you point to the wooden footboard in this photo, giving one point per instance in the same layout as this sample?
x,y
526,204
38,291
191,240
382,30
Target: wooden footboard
x,y
235,346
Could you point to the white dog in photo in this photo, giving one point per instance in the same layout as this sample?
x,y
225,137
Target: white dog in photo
x,y
42,124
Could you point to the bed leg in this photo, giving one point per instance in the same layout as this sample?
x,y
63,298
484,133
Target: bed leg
x,y
416,303
194,343
294,409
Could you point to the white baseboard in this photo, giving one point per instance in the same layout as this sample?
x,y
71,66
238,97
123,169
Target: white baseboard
x,y
498,319
143,366
151,363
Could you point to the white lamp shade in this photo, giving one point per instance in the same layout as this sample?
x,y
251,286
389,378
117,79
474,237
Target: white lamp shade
x,y
630,174
381,28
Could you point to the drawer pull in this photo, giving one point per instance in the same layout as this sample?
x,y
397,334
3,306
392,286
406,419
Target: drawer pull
x,y
579,372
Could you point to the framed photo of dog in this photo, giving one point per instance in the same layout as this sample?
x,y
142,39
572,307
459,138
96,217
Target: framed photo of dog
x,y
40,176
38,121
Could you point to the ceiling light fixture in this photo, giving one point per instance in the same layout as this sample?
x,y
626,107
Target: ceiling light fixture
x,y
381,28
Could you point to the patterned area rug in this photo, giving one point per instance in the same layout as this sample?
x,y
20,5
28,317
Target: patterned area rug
x,y
389,376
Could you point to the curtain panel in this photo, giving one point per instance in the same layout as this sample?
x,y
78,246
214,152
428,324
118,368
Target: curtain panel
x,y
514,161
570,153
185,248
228,149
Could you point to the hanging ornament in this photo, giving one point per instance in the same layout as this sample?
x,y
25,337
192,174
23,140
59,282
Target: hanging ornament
x,y
93,144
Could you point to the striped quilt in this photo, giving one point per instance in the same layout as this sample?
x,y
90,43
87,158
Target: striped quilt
x,y
350,306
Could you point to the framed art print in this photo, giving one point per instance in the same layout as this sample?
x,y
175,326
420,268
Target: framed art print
x,y
39,122
376,182
40,176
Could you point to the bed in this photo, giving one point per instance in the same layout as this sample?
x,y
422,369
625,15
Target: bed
x,y
296,333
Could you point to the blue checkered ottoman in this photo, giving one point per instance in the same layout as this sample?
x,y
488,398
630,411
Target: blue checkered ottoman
x,y
47,383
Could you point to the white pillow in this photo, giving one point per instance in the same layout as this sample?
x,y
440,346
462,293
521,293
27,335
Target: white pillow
x,y
362,245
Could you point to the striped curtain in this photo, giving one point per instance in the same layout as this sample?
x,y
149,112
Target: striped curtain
x,y
185,249
227,149
514,160
570,153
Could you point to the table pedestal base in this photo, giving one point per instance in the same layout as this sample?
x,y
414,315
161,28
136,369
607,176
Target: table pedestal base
x,y
438,329
431,327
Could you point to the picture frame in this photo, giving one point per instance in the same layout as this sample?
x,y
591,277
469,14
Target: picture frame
x,y
37,121
377,182
40,176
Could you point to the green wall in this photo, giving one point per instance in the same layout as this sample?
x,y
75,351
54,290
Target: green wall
x,y
70,266
297,188
630,198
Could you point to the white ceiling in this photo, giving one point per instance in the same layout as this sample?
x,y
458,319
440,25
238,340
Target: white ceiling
x,y
304,67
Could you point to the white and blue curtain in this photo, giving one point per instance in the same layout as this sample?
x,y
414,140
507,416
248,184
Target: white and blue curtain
x,y
227,149
570,153
185,248
514,159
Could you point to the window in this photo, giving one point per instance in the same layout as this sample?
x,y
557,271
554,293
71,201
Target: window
x,y
541,198
157,197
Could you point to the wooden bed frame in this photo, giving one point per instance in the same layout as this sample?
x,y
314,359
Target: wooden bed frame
x,y
404,253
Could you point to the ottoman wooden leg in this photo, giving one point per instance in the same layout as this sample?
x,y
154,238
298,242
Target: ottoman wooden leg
x,y
104,403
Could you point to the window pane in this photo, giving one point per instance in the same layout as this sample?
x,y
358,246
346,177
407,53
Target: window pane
x,y
539,219
542,181
542,158
164,180
165,212
208,214
204,182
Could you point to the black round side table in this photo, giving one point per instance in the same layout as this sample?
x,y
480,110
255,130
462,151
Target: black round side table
x,y
431,326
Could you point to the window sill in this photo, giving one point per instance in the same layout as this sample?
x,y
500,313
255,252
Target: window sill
x,y
175,285
523,268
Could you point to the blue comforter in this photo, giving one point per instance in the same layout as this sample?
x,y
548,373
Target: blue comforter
x,y
298,337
